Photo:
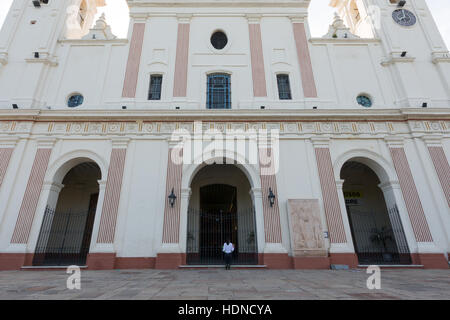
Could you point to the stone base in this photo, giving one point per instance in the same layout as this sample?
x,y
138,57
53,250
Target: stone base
x,y
12,261
349,259
170,260
134,263
430,260
311,262
101,261
277,260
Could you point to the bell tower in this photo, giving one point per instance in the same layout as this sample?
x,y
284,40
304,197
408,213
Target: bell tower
x,y
28,44
80,17
414,50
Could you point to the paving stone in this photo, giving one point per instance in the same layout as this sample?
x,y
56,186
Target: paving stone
x,y
221,284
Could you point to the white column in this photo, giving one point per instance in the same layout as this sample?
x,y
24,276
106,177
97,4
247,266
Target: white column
x,y
185,197
94,247
349,246
256,195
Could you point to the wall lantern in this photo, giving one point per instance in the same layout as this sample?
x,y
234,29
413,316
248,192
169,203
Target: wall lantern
x,y
172,197
271,197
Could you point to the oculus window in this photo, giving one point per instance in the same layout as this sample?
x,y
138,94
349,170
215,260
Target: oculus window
x,y
75,100
219,40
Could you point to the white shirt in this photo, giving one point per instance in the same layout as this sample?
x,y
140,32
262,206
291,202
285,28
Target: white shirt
x,y
228,248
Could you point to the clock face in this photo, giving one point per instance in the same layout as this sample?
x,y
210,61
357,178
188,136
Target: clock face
x,y
404,17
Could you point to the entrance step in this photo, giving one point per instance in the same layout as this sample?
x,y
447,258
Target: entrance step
x,y
390,266
47,268
241,266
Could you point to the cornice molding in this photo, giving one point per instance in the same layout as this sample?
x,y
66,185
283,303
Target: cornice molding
x,y
222,3
238,115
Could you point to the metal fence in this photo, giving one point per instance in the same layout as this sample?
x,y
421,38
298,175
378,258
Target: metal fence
x,y
376,244
208,230
64,239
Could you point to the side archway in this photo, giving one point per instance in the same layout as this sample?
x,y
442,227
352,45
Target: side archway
x,y
67,223
376,226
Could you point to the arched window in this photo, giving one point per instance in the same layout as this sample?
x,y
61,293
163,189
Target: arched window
x,y
218,94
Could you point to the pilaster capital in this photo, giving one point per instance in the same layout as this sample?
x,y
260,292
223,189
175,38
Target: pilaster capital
x,y
256,193
184,18
53,186
101,184
432,140
266,143
138,17
340,184
394,141
298,18
8,142
321,142
253,18
120,143
46,142
389,185
186,193
173,143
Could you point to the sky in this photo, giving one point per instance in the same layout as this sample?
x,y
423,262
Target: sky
x,y
320,16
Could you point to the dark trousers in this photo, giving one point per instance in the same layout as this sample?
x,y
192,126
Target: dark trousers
x,y
227,259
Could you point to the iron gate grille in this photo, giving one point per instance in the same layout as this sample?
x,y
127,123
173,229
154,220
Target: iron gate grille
x,y
385,245
64,239
209,229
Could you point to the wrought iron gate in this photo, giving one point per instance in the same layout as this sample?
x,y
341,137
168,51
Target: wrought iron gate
x,y
64,238
209,229
379,245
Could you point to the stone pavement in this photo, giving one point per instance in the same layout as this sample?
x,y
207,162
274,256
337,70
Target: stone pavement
x,y
221,284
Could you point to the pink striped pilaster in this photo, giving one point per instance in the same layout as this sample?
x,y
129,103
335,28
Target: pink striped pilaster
x,y
134,60
442,169
304,59
171,228
257,56
410,195
330,197
5,156
272,225
112,196
181,63
31,196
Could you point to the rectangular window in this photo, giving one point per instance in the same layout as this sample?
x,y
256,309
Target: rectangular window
x,y
284,87
219,91
154,92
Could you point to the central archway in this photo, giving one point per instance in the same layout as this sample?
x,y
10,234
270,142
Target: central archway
x,y
221,208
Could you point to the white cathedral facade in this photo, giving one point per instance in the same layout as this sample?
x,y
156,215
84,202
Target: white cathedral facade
x,y
218,120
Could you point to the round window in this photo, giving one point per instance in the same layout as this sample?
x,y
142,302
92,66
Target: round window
x,y
364,101
75,100
219,40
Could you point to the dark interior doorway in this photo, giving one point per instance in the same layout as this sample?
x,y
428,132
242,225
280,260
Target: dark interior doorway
x,y
377,230
218,220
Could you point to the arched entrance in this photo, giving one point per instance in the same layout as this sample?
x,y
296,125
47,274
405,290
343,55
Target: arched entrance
x,y
377,230
66,229
221,208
